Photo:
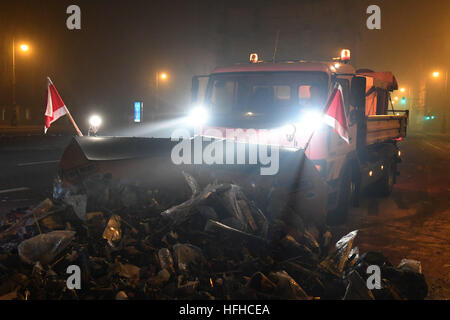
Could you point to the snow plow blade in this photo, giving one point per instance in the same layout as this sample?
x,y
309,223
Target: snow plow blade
x,y
96,163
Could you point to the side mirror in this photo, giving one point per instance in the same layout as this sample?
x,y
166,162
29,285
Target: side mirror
x,y
358,94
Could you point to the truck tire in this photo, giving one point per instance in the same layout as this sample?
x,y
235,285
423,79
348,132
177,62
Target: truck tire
x,y
386,183
346,196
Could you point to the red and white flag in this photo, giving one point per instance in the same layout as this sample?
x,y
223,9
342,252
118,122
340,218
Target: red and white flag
x,y
56,108
335,113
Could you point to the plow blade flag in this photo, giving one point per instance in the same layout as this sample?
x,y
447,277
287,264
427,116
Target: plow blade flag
x,y
56,108
335,113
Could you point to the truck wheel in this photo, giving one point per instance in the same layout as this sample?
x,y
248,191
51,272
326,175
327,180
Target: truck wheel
x,y
346,195
386,184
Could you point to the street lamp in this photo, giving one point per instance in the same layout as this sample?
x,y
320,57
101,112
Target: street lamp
x,y
24,48
437,74
159,76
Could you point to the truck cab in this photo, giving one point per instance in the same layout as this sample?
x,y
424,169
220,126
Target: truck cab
x,y
284,101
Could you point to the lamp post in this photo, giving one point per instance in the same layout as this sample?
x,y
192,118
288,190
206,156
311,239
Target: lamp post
x,y
14,73
24,48
437,74
159,76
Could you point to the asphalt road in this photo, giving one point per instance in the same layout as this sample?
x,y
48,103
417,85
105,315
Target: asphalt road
x,y
414,222
29,164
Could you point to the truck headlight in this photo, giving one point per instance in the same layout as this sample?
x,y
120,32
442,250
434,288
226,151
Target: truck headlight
x,y
198,116
311,120
94,124
95,121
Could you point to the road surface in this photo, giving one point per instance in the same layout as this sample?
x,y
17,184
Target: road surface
x,y
414,222
28,164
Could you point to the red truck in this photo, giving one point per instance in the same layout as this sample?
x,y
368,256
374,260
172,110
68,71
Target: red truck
x,y
290,96
286,99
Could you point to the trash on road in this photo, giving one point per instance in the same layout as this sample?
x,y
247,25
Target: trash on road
x,y
45,247
216,243
113,231
78,203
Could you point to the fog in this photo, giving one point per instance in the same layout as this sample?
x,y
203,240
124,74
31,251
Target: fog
x,y
113,59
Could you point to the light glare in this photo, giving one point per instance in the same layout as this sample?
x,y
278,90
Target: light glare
x,y
198,116
95,121
24,47
311,120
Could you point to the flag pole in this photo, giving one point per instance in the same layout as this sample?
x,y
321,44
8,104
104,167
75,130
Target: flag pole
x,y
73,122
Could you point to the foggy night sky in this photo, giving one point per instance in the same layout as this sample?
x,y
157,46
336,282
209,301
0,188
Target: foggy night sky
x,y
112,60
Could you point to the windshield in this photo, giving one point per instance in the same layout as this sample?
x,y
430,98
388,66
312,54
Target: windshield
x,y
266,92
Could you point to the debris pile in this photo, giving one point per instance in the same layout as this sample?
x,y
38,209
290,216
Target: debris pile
x,y
217,244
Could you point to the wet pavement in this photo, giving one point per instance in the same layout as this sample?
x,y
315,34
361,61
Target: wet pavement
x,y
414,222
